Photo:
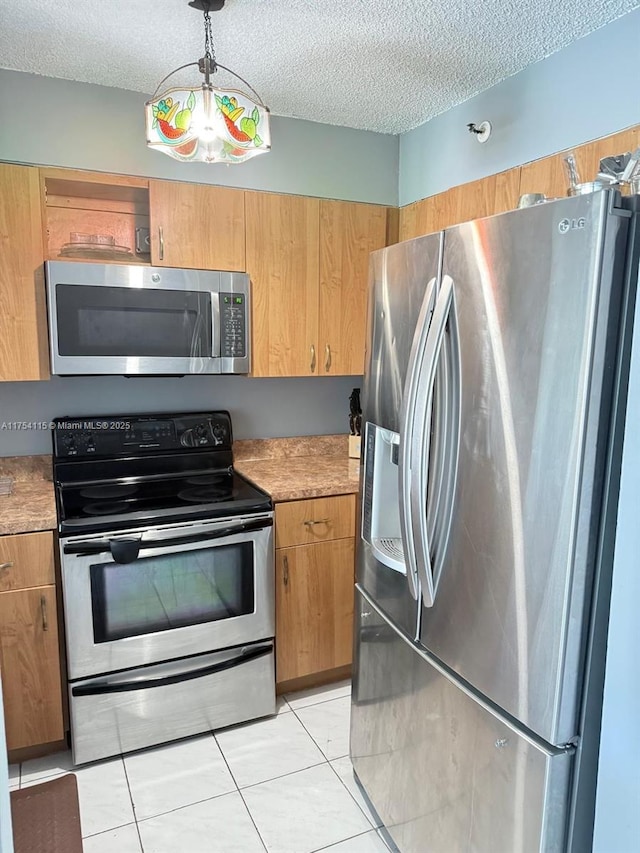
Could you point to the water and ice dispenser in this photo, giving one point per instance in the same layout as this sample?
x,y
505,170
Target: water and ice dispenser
x,y
381,515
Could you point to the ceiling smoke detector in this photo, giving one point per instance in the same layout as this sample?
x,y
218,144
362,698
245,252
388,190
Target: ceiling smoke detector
x,y
482,131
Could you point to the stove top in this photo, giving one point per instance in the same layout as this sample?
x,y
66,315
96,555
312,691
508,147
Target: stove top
x,y
121,472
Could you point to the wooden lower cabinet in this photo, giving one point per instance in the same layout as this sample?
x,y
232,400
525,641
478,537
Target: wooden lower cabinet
x,y
30,662
314,608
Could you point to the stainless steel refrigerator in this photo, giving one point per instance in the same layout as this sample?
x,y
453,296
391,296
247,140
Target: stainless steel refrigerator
x,y
493,404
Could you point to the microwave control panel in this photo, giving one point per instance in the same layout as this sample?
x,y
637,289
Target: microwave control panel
x,y
233,325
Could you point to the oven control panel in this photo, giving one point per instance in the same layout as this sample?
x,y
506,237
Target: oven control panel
x,y
139,434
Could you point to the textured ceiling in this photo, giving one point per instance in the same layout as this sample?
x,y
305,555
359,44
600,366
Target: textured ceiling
x,y
384,66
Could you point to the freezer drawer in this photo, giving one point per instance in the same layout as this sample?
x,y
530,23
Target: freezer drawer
x,y
442,771
150,705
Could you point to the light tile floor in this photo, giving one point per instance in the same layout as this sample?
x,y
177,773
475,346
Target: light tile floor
x,y
281,785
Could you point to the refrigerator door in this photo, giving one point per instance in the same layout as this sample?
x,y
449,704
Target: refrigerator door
x,y
444,772
400,278
536,302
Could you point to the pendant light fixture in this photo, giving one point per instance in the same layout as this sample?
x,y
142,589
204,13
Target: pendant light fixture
x,y
206,123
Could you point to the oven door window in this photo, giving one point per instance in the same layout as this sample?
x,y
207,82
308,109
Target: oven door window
x,y
132,322
171,591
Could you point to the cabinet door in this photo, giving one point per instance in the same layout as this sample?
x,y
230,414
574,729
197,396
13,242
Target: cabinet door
x,y
590,154
26,560
196,226
30,661
314,608
544,176
282,259
349,232
23,324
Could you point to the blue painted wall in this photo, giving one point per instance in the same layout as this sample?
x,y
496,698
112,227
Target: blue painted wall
x,y
617,827
589,89
81,126
77,125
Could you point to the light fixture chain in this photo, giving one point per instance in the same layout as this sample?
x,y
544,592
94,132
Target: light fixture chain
x,y
209,52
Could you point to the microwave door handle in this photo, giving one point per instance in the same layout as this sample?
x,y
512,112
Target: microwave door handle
x,y
103,546
215,325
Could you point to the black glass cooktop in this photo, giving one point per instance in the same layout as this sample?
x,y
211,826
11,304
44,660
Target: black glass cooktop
x,y
98,506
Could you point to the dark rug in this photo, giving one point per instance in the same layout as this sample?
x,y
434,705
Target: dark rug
x,y
46,817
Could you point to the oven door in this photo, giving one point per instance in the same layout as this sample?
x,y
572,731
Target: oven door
x,y
164,593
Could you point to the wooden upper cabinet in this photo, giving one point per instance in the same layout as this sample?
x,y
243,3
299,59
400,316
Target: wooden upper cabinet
x,y
485,197
23,323
197,226
548,175
349,232
282,260
507,190
589,155
30,665
544,176
429,215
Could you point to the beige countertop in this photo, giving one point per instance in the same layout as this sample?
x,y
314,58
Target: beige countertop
x,y
31,506
287,468
293,468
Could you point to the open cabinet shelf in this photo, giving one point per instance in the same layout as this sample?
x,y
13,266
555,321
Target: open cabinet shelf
x,y
91,204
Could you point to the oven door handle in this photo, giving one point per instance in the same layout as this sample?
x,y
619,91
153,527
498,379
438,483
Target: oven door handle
x,y
126,550
100,688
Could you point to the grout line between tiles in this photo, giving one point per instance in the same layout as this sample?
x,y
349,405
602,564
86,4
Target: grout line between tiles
x,y
335,843
282,775
326,757
133,805
349,792
319,702
224,757
103,831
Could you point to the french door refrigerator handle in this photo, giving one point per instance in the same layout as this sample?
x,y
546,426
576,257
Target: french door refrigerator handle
x,y
451,453
416,357
420,439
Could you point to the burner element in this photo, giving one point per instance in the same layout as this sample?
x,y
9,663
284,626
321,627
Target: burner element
x,y
207,479
204,495
107,508
108,491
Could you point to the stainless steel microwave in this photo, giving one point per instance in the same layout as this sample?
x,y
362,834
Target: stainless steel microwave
x,y
137,320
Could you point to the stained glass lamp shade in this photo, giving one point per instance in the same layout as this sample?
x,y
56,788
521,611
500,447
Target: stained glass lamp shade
x,y
205,123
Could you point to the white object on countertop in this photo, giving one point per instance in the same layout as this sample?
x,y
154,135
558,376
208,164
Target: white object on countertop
x,y
354,446
6,485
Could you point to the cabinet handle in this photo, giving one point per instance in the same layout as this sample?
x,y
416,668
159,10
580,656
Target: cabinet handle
x,y
327,359
43,611
320,521
4,566
285,576
161,241
313,359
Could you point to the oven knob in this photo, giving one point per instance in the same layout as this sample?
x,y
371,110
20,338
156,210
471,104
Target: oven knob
x,y
187,439
219,433
201,434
